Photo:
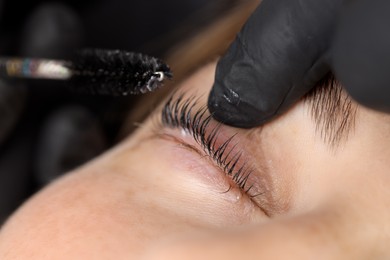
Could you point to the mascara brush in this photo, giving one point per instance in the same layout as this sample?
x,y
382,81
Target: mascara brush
x,y
94,71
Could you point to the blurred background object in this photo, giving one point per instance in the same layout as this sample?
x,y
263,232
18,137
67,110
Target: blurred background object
x,y
45,130
69,137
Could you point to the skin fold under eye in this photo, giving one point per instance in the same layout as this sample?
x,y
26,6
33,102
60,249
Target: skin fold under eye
x,y
201,134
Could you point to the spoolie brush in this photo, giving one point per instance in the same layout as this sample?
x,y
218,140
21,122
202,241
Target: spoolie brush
x,y
95,71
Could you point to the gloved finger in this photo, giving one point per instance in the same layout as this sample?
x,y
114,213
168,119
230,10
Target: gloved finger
x,y
361,52
277,57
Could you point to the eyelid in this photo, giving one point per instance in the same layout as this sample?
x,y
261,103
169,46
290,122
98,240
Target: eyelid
x,y
181,142
210,136
178,114
201,153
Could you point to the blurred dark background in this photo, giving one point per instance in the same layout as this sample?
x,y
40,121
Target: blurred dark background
x,y
44,129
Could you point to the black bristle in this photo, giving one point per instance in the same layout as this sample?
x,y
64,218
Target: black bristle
x,y
116,73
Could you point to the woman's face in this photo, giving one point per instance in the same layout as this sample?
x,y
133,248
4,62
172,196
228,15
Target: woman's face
x,y
182,174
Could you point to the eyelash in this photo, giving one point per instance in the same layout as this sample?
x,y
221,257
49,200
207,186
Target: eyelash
x,y
177,113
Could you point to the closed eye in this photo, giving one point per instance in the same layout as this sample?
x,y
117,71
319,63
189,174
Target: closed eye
x,y
186,115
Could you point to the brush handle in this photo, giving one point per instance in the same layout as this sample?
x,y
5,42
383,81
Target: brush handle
x,y
34,68
94,71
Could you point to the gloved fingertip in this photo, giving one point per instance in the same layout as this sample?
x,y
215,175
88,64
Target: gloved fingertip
x,y
226,106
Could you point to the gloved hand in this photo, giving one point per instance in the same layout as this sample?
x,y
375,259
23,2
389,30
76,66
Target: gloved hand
x,y
287,46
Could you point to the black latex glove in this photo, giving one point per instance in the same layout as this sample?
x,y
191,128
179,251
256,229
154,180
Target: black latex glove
x,y
287,46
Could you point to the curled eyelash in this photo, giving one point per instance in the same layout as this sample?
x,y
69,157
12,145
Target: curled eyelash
x,y
182,113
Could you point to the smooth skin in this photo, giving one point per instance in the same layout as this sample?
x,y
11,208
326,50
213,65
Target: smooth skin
x,y
155,198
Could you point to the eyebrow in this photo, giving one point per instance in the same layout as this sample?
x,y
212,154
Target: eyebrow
x,y
332,111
